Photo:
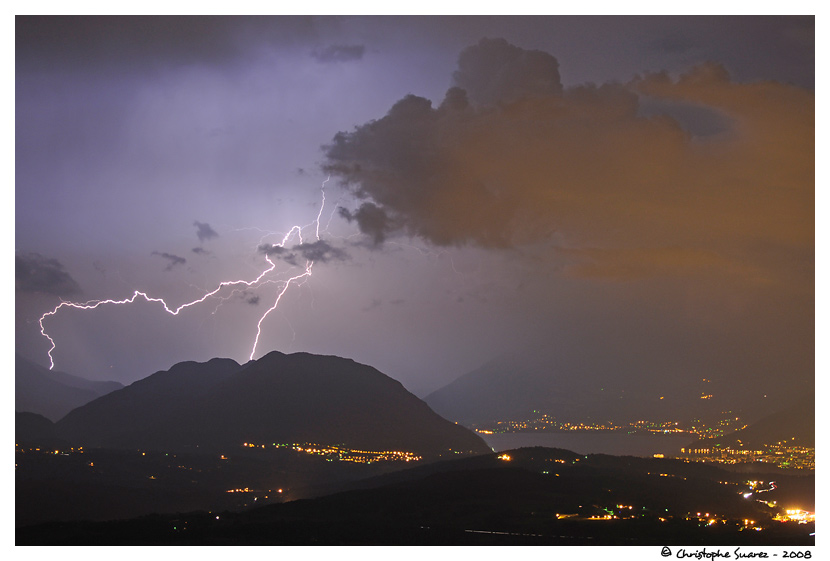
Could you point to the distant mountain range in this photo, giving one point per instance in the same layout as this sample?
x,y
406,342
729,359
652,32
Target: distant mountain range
x,y
173,442
220,404
794,425
53,394
515,387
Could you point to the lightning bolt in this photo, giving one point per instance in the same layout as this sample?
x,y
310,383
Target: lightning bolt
x,y
307,273
255,283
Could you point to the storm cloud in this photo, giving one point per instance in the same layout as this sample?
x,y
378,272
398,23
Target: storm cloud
x,y
511,158
173,260
148,42
319,251
271,249
371,219
204,231
494,71
567,201
35,273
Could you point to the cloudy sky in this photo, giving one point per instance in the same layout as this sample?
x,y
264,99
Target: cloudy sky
x,y
635,194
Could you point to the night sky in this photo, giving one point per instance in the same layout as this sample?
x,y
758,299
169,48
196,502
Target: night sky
x,y
633,197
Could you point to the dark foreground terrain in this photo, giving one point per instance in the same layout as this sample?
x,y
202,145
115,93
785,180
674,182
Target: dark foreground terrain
x,y
532,496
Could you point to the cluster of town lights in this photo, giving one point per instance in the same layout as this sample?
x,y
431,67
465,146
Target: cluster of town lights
x,y
342,453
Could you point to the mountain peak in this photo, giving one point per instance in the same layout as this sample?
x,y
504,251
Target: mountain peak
x,y
299,397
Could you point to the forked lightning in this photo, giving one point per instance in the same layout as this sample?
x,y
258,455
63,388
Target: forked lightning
x,y
261,279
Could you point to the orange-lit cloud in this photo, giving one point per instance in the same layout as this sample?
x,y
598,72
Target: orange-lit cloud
x,y
511,158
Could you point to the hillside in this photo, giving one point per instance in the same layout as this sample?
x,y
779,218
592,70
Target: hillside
x,y
53,394
34,429
517,386
146,406
540,496
794,425
218,405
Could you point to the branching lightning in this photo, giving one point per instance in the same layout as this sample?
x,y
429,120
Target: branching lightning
x,y
255,283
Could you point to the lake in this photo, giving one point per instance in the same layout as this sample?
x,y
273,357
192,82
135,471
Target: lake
x,y
616,443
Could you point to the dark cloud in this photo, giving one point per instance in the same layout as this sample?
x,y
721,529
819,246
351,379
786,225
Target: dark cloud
x,y
494,71
627,194
371,219
246,296
173,260
455,99
271,249
35,273
204,231
319,251
339,53
200,251
97,42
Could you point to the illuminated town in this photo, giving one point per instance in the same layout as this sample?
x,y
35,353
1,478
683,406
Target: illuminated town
x,y
782,454
703,519
750,489
248,495
341,453
543,422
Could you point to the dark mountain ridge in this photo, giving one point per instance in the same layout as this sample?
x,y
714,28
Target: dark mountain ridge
x,y
53,394
540,496
218,405
517,386
146,406
795,425
31,429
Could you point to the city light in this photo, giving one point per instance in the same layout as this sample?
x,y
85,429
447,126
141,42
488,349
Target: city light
x,y
796,515
343,453
786,454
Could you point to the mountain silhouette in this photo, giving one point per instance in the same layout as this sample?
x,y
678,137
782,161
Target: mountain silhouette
x,y
513,386
36,430
219,405
50,393
524,385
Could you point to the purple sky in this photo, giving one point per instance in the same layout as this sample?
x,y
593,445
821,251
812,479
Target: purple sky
x,y
631,193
